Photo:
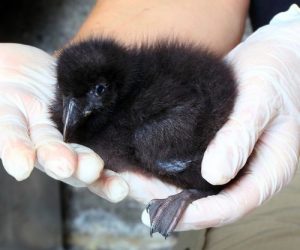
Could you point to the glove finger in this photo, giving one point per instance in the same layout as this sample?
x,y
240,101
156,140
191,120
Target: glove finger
x,y
110,186
256,105
271,167
56,157
16,148
90,165
28,81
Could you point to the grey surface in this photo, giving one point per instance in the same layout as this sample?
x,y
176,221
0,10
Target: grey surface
x,y
42,23
30,213
94,223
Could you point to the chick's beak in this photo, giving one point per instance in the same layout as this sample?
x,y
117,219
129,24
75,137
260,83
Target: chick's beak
x,y
71,116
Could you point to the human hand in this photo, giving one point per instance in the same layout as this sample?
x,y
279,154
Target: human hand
x,y
28,137
264,124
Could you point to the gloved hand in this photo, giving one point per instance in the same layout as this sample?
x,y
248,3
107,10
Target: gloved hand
x,y
28,137
265,124
265,116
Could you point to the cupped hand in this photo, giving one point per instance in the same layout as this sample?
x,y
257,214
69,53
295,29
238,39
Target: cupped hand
x,y
262,135
264,125
28,138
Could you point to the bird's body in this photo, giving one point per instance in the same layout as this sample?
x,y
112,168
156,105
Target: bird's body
x,y
161,106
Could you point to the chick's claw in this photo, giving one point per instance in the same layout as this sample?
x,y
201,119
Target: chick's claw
x,y
166,213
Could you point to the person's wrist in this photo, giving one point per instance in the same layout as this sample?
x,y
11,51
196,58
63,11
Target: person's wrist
x,y
217,26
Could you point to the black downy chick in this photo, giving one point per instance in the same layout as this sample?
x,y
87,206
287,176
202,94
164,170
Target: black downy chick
x,y
149,108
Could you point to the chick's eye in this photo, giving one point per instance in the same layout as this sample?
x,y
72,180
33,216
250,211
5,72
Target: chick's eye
x,y
99,89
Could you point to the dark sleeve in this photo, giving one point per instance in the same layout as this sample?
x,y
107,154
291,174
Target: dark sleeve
x,y
262,11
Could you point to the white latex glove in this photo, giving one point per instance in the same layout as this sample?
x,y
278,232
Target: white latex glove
x,y
28,137
265,123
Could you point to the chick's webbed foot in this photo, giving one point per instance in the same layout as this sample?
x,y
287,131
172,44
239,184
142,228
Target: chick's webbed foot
x,y
166,213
